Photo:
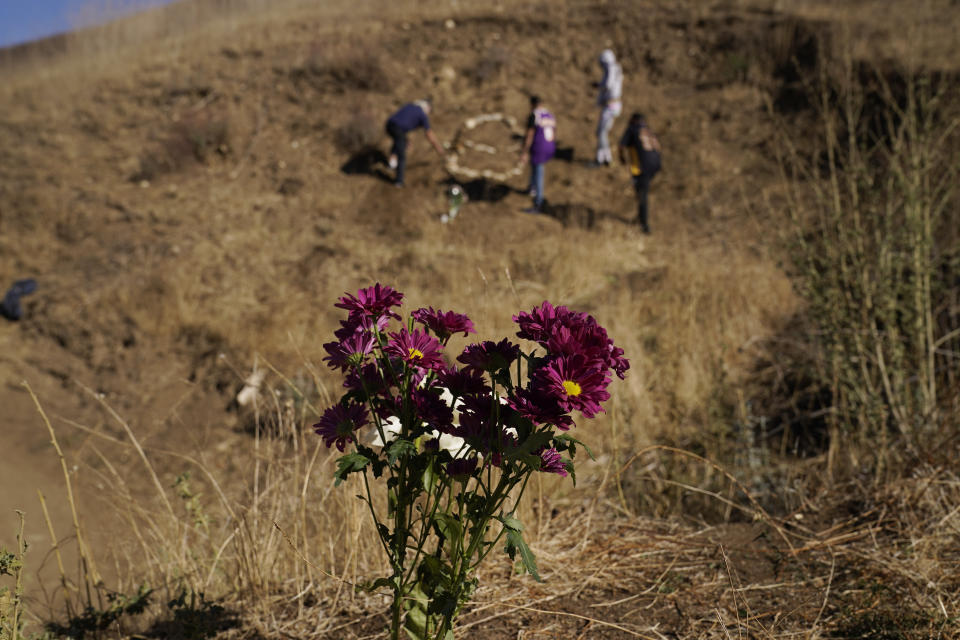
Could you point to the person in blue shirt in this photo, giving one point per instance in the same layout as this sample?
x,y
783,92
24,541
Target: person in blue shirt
x,y
413,115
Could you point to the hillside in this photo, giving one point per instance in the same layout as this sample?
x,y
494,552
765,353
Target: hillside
x,y
191,202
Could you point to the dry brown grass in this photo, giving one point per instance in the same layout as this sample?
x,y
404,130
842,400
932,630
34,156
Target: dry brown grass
x,y
289,552
215,263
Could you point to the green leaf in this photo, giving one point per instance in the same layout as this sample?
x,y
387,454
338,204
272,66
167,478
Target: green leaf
x,y
348,464
535,441
516,542
379,583
429,477
431,569
443,603
501,372
400,448
531,460
391,500
415,623
449,527
572,444
511,523
476,507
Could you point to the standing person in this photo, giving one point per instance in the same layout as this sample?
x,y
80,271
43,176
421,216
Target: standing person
x,y
608,99
410,116
539,145
643,149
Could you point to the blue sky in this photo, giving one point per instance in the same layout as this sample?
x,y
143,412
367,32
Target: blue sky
x,y
24,20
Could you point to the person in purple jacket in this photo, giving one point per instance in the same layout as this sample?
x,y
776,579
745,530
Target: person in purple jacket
x,y
539,145
410,116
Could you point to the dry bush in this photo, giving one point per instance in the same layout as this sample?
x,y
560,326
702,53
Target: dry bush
x,y
198,135
344,67
361,132
873,211
192,139
491,65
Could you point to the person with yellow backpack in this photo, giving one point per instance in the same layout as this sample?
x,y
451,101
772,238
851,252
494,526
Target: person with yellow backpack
x,y
640,149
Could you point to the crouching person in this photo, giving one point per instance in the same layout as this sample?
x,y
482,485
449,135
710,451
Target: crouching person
x,y
413,115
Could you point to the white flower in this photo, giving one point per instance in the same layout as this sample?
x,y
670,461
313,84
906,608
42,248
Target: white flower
x,y
455,445
391,429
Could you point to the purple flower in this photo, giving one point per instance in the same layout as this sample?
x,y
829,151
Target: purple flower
x,y
366,378
618,363
359,323
350,351
339,422
443,323
478,421
568,341
461,382
566,333
540,407
551,462
489,355
481,425
575,382
582,335
461,468
373,302
416,349
539,323
431,409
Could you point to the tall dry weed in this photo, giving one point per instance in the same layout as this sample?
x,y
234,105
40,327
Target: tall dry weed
x,y
874,226
244,526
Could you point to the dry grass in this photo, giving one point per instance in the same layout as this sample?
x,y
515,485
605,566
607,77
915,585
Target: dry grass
x,y
289,553
217,262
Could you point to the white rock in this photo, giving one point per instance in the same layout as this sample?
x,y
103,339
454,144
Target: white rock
x,y
251,387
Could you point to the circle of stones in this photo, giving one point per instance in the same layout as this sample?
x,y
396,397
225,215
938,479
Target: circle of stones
x,y
460,142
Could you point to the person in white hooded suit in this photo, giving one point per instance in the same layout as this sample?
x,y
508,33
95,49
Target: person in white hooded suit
x,y
608,99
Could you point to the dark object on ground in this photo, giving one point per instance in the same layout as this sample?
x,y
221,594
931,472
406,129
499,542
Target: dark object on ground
x,y
572,215
484,190
10,307
365,161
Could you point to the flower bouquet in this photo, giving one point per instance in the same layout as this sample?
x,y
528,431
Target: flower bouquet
x,y
454,445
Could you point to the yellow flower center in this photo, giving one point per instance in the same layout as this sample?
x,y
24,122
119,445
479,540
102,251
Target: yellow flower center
x,y
415,354
571,388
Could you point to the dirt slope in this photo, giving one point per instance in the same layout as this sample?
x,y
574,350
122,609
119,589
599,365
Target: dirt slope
x,y
185,206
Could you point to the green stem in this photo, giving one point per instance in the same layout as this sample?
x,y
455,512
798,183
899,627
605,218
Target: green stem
x,y
461,563
373,514
484,554
425,528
